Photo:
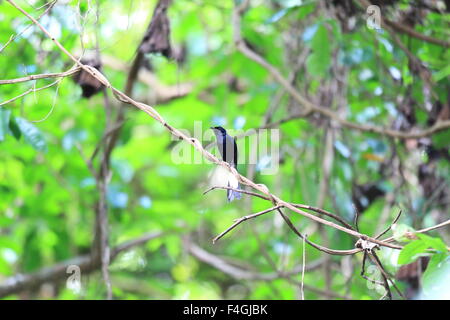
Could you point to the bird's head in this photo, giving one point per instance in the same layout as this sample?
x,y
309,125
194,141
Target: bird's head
x,y
219,131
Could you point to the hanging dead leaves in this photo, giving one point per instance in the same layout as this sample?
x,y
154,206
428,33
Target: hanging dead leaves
x,y
157,36
89,85
156,40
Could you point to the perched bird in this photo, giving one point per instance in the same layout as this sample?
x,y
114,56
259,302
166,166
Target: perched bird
x,y
228,150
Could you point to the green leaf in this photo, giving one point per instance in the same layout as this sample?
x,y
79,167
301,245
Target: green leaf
x,y
32,257
32,134
435,263
435,243
4,120
441,139
419,247
5,268
412,251
441,74
14,128
436,279
318,61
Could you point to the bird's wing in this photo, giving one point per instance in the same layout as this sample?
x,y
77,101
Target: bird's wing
x,y
230,151
235,152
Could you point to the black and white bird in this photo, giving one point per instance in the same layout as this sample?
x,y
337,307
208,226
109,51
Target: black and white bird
x,y
228,150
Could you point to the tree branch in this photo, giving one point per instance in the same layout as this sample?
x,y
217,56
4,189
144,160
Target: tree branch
x,y
197,145
41,76
309,107
244,274
13,37
58,272
406,30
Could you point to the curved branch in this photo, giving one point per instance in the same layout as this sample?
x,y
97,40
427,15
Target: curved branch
x,y
58,272
310,107
244,274
242,219
197,145
413,134
406,30
41,76
297,205
13,37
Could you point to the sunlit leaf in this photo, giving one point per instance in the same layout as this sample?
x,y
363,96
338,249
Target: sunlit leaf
x,y
412,251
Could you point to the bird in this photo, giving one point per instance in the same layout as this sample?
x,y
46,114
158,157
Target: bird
x,y
228,150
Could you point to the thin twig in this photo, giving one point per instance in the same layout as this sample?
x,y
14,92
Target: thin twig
x,y
385,273
32,89
440,225
104,137
13,37
55,96
297,205
326,213
315,245
405,29
242,219
356,219
238,190
32,77
240,274
303,269
390,226
87,264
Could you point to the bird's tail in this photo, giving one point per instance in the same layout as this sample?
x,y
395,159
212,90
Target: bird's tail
x,y
232,194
